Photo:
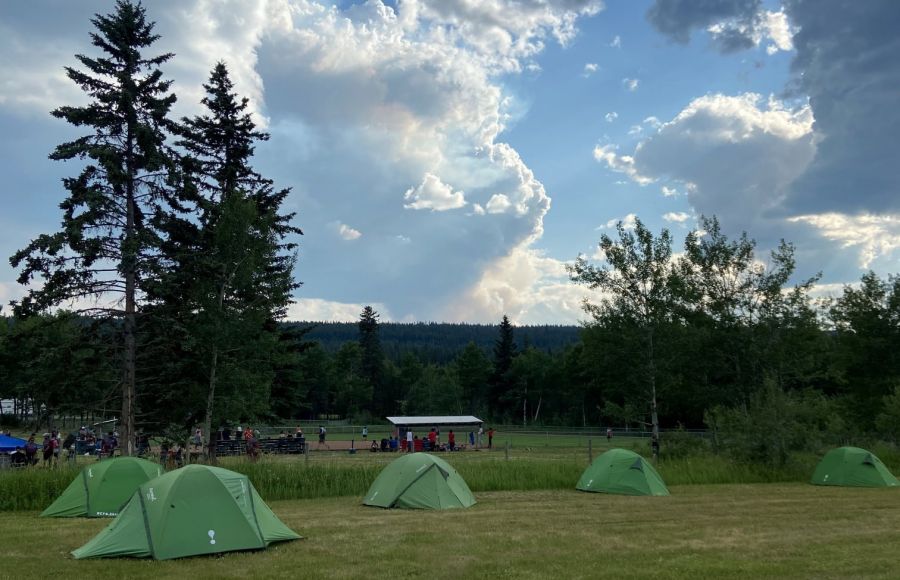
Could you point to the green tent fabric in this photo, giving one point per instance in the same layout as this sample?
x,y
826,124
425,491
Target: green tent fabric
x,y
419,481
623,472
101,489
852,466
191,511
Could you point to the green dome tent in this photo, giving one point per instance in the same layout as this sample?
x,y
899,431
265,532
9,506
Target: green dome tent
x,y
419,481
623,472
852,466
187,512
101,489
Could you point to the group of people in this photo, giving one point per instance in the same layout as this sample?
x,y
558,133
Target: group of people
x,y
432,441
51,447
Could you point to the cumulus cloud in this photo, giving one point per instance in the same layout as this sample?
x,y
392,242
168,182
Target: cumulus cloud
x,y
872,236
363,100
526,285
779,31
847,63
676,217
498,203
621,163
628,222
631,84
616,42
433,194
515,29
733,25
589,69
669,191
318,310
735,155
611,116
845,194
348,233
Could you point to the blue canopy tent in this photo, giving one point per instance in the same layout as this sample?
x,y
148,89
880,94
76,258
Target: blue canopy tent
x,y
8,444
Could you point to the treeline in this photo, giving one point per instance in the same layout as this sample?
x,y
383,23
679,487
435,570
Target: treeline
x,y
438,342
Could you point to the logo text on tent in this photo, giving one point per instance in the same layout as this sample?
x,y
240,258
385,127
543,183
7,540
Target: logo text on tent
x,y
90,472
150,495
212,536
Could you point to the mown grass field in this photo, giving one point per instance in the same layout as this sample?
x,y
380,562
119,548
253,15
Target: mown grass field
x,y
701,531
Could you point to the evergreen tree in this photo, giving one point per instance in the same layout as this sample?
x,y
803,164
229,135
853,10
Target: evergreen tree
x,y
230,274
473,373
501,378
105,246
372,362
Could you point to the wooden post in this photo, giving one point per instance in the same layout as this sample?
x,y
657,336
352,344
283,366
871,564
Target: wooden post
x,y
507,449
306,452
590,452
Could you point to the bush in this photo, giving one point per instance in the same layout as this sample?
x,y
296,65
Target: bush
x,y
775,424
679,444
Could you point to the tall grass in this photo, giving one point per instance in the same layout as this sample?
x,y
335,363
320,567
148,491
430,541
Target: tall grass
x,y
712,469
297,480
520,474
33,488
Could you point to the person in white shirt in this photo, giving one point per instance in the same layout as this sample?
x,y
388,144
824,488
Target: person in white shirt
x,y
480,436
409,441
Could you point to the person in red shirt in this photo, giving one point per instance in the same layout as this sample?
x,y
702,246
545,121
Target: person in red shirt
x,y
432,438
451,440
490,438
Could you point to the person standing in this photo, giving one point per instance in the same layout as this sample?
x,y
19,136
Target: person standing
x,y
608,434
451,440
472,439
409,441
31,451
432,439
365,432
56,445
480,436
491,438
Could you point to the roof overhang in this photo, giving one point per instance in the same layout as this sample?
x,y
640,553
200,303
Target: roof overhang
x,y
443,420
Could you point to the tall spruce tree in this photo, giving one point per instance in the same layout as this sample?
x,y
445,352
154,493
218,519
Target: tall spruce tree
x,y
106,245
231,274
501,378
372,367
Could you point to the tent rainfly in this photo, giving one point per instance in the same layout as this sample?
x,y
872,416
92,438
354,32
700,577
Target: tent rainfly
x,y
419,481
854,467
622,472
101,489
191,511
9,444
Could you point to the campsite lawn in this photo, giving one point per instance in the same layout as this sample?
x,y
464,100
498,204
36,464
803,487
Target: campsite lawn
x,y
701,531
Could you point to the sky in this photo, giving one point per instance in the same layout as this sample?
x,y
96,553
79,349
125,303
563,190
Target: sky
x,y
448,158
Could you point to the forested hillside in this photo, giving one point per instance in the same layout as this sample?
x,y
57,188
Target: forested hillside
x,y
437,342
